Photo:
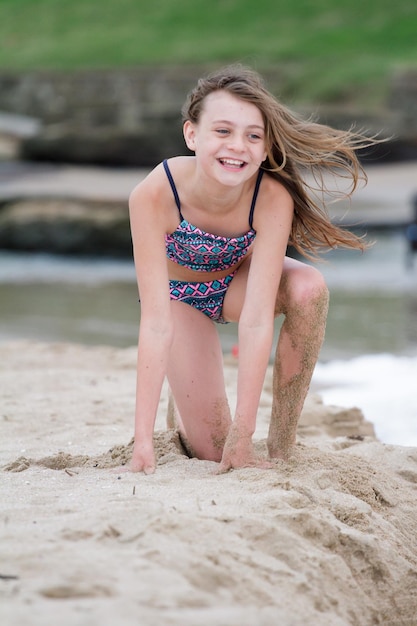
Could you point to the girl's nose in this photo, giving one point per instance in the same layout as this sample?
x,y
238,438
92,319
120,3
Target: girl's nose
x,y
236,142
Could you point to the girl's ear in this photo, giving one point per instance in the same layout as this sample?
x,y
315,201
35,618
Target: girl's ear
x,y
189,134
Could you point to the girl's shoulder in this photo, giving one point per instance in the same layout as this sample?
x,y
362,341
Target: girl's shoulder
x,y
274,205
152,200
179,167
155,183
273,191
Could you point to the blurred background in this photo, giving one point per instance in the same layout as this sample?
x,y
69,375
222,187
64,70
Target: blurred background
x,y
90,98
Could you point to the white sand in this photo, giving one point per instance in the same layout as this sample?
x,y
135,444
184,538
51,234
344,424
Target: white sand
x,y
328,539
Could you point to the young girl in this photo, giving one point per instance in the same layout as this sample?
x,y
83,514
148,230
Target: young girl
x,y
210,234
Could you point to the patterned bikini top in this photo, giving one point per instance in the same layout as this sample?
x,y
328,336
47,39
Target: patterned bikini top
x,y
204,252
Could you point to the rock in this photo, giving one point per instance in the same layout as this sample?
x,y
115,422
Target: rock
x,y
132,116
107,146
13,130
66,226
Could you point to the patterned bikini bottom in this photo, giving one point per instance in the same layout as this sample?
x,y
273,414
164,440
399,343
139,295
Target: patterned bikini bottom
x,y
205,297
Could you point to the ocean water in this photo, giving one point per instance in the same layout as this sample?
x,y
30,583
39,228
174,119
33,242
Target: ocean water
x,y
369,357
383,386
378,329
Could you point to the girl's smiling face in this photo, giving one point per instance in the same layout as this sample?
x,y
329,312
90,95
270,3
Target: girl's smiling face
x,y
229,138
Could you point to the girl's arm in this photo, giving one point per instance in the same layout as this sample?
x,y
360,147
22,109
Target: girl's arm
x,y
256,324
148,226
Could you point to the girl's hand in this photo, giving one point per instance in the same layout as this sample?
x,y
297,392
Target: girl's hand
x,y
143,458
238,452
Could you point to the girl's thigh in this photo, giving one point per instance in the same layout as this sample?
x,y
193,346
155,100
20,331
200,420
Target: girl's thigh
x,y
235,296
196,377
297,278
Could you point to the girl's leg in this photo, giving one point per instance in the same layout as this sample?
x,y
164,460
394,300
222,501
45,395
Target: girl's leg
x,y
303,299
195,375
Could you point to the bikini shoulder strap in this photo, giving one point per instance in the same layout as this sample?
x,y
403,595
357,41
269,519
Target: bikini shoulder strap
x,y
173,187
255,195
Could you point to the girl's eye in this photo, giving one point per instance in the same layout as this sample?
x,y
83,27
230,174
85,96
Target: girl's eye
x,y
254,137
222,131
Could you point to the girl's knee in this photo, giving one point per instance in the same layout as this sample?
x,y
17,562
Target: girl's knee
x,y
312,285
302,288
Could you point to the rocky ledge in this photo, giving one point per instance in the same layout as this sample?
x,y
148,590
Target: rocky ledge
x,y
66,226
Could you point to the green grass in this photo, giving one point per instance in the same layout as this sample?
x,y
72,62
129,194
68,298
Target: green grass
x,y
323,50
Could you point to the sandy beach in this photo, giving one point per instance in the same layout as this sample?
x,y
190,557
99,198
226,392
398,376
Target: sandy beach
x,y
328,539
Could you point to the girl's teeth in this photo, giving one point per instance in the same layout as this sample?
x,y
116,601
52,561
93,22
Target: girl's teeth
x,y
229,162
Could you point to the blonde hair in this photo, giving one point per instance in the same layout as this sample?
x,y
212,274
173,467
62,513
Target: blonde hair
x,y
299,153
